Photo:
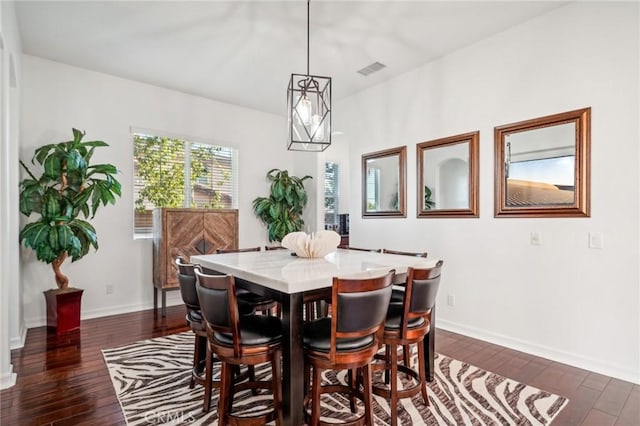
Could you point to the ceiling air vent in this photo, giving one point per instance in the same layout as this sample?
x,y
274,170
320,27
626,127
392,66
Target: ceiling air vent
x,y
370,69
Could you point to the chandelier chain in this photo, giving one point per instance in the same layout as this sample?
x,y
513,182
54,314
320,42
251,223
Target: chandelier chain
x,y
308,1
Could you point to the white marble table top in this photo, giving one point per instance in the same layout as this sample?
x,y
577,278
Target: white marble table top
x,y
279,270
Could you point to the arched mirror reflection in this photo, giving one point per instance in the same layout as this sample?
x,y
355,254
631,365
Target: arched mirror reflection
x,y
383,183
542,166
448,176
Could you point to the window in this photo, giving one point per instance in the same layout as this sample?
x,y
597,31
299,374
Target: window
x,y
161,180
331,196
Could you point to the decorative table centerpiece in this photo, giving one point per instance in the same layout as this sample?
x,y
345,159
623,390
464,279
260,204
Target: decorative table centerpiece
x,y
315,245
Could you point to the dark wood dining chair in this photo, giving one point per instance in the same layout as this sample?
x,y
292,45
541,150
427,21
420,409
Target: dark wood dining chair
x,y
408,324
397,295
406,253
189,293
362,249
260,303
274,248
187,282
238,340
346,341
242,250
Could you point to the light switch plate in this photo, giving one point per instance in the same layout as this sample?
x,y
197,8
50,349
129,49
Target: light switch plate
x,y
595,240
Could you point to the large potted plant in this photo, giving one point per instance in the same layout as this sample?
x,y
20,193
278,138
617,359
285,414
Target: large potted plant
x,y
68,187
281,211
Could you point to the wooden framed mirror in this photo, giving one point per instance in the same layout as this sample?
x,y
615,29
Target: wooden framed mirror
x,y
448,176
542,166
384,183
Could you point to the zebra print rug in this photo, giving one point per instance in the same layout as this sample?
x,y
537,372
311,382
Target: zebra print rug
x,y
151,381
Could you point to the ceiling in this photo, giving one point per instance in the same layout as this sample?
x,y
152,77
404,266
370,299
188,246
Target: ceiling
x,y
244,52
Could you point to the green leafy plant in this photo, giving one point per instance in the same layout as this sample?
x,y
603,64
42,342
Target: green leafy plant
x,y
282,210
428,202
69,186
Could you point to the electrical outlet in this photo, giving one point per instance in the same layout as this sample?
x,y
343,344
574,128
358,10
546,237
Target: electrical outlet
x,y
109,288
595,240
536,238
451,300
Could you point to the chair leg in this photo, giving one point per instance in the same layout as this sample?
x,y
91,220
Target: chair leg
x,y
277,387
359,379
226,382
422,367
230,392
208,377
368,398
307,378
308,312
394,385
196,360
315,399
252,377
406,351
324,309
387,356
352,382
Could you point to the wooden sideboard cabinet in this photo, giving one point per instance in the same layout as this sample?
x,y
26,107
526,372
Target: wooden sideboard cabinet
x,y
186,232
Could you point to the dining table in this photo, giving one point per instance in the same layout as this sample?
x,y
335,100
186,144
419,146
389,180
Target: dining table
x,y
289,279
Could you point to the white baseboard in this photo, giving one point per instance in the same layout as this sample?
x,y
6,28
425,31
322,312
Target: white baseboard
x,y
18,342
575,360
8,379
103,312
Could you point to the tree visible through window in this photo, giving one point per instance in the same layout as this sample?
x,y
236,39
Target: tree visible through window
x,y
173,172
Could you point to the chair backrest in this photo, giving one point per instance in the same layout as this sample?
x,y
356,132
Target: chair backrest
x,y
359,306
187,282
406,253
242,250
421,290
219,305
362,249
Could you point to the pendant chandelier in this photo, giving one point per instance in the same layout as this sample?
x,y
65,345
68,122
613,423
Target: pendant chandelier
x,y
309,109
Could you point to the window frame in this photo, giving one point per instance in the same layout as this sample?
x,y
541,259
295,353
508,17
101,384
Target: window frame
x,y
143,232
335,194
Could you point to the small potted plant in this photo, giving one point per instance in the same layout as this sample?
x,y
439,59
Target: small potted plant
x,y
68,187
282,210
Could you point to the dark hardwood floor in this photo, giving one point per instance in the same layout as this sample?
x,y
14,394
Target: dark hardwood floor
x,y
64,381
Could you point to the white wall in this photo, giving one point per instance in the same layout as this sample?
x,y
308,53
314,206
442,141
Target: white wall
x,y
560,300
57,97
11,324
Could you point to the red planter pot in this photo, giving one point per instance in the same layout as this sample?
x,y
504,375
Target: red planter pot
x,y
63,309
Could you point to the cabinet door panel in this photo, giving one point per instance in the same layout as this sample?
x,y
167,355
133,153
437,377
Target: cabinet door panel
x,y
184,237
221,230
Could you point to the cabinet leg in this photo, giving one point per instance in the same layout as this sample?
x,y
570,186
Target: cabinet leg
x,y
155,300
164,303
